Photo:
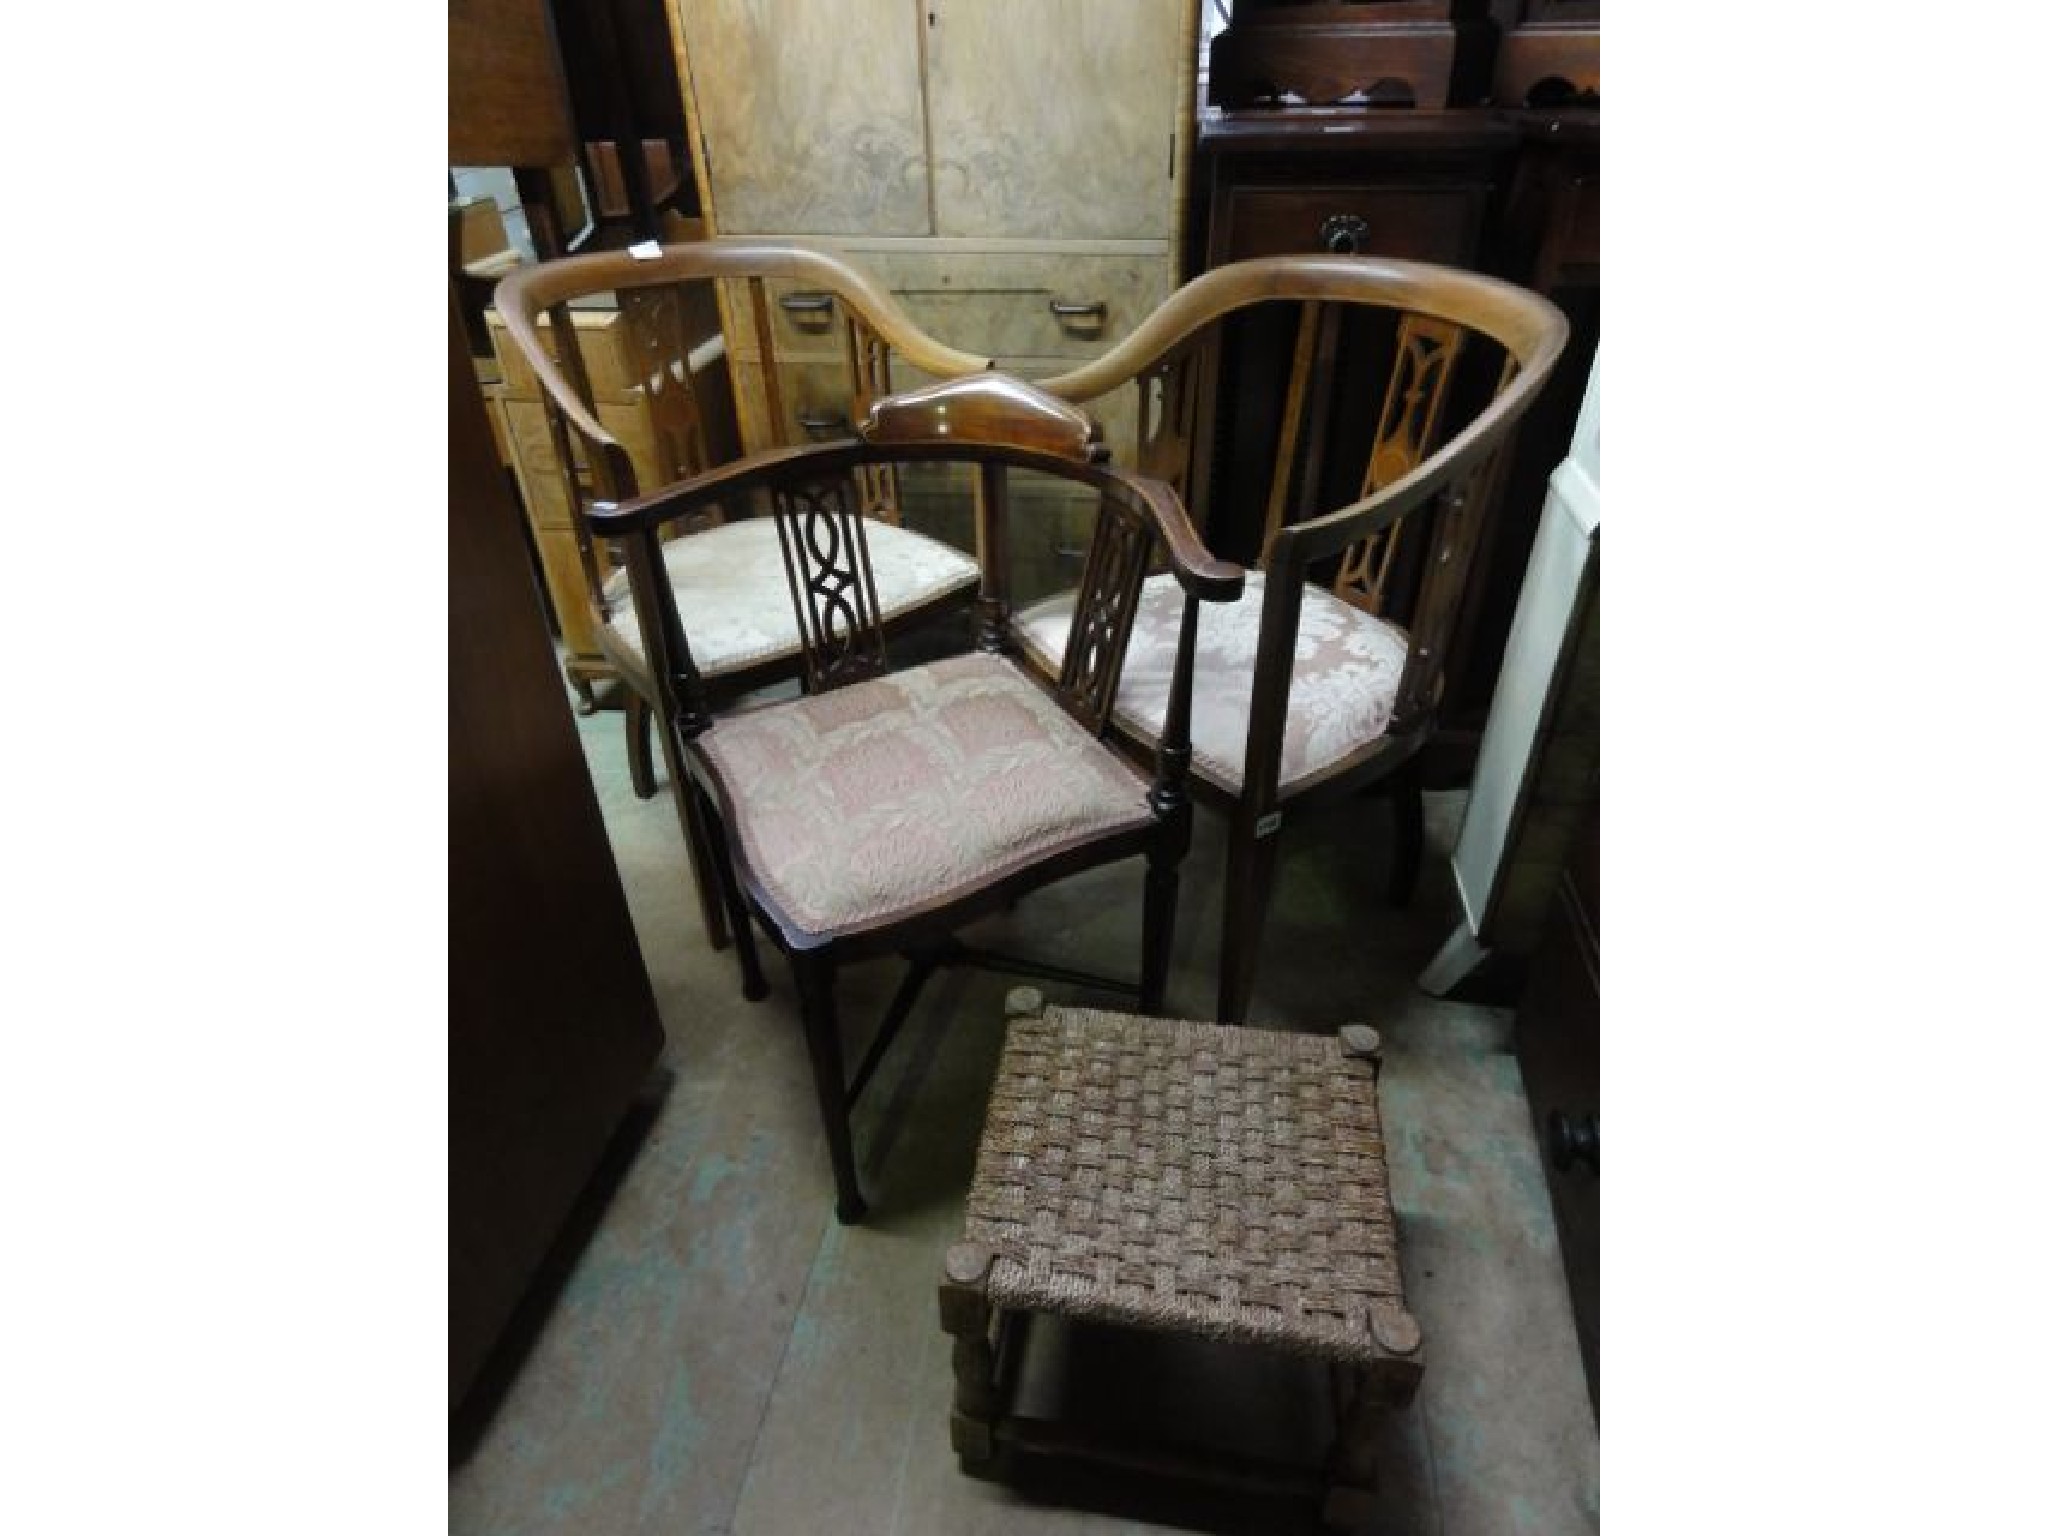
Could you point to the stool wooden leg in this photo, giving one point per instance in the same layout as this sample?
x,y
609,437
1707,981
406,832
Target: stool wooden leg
x,y
1350,1502
1367,1397
964,1313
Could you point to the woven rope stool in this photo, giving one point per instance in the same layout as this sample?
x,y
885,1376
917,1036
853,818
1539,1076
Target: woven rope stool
x,y
1185,1178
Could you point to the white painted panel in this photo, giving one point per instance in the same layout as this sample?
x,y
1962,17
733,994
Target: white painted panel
x,y
1564,539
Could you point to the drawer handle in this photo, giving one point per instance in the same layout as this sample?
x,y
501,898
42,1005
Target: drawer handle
x,y
1096,311
819,425
1574,1140
1344,234
809,306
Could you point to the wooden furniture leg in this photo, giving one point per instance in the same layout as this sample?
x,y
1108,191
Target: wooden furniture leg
x,y
828,1070
1247,886
964,1313
716,853
702,865
1405,793
640,745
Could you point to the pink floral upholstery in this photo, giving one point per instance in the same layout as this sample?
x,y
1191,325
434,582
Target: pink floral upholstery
x,y
1347,669
733,594
854,806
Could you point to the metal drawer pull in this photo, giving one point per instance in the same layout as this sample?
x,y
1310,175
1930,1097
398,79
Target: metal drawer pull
x,y
1097,311
806,304
824,424
1344,234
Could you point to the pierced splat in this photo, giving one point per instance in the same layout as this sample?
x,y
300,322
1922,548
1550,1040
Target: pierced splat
x,y
658,351
831,583
1104,609
1170,396
1454,531
867,360
1411,414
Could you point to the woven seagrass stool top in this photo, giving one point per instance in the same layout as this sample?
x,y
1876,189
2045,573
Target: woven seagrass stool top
x,y
1192,1178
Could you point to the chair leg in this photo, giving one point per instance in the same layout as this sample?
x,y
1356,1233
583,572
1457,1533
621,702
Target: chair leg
x,y
1405,791
703,864
718,854
814,981
640,745
1162,902
1247,887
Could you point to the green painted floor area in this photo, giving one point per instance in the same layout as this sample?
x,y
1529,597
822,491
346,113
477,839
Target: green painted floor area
x,y
711,1352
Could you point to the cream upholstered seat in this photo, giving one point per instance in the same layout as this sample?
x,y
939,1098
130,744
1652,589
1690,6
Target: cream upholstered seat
x,y
1347,670
730,584
840,823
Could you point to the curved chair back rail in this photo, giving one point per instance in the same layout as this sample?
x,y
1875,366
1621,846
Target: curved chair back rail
x,y
549,287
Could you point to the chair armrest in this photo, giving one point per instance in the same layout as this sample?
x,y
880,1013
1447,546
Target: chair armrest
x,y
1199,573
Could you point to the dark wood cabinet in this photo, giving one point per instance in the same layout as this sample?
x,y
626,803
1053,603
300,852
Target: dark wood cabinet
x,y
552,1025
1416,185
1557,1040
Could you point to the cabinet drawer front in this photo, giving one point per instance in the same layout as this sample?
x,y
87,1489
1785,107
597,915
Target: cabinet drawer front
x,y
1411,223
803,323
1000,304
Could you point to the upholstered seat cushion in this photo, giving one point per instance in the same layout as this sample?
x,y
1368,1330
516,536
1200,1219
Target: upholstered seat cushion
x,y
733,593
851,807
1347,669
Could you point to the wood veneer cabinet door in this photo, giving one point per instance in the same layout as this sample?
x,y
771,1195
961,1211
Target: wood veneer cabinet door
x,y
1056,119
811,117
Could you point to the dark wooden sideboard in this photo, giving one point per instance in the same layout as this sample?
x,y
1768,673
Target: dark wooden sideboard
x,y
1557,1041
552,1024
1514,193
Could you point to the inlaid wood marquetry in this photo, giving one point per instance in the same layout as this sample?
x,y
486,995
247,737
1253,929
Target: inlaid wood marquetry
x,y
1411,416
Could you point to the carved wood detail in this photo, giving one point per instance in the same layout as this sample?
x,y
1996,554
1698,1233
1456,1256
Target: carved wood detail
x,y
831,582
867,361
1455,530
1411,414
1105,606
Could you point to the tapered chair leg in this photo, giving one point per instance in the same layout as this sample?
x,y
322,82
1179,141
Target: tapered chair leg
x,y
718,854
1405,792
1162,902
703,867
1247,887
814,980
640,745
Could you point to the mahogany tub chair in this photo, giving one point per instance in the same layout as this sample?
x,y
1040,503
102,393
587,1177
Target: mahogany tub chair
x,y
727,571
885,808
1325,679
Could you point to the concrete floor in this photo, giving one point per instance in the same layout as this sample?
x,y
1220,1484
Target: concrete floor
x,y
710,1351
